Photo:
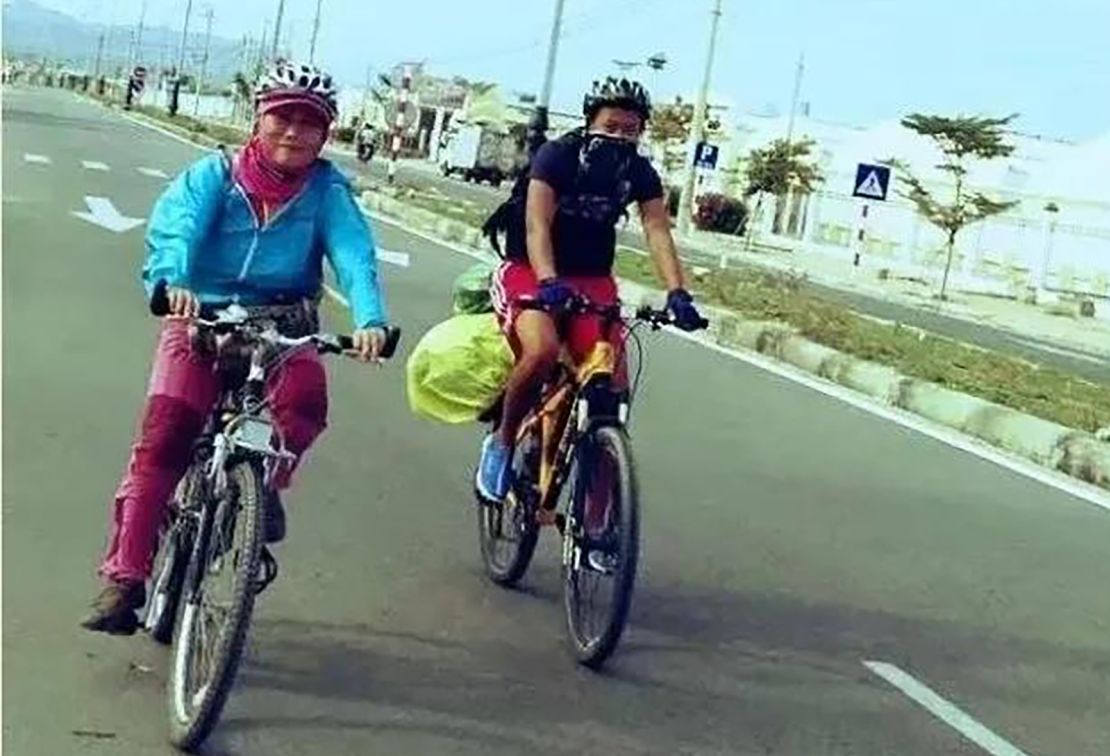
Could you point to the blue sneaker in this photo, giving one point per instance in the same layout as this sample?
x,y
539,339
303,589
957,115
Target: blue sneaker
x,y
494,475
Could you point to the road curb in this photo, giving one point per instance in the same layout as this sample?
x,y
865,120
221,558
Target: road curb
x,y
1057,447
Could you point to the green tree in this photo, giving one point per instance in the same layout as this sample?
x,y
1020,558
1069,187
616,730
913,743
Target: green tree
x,y
241,94
777,167
669,127
960,140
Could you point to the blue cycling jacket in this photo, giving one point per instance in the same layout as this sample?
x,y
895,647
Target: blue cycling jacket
x,y
204,236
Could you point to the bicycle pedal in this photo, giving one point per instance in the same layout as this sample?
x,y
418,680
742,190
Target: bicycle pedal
x,y
268,569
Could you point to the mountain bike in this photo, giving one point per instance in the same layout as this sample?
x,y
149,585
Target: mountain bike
x,y
212,562
573,470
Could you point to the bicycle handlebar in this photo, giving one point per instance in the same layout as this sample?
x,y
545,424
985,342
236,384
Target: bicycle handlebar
x,y
211,317
578,305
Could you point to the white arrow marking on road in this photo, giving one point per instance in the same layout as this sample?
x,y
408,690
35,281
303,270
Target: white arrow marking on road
x,y
104,214
93,165
153,173
43,159
396,258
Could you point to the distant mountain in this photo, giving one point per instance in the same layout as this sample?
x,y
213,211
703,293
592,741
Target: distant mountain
x,y
30,30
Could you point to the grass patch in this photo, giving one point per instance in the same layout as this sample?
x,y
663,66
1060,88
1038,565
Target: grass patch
x,y
759,295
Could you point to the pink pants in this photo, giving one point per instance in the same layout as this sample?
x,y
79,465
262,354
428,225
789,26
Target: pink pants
x,y
183,389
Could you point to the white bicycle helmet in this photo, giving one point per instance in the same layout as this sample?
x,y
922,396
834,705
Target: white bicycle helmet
x,y
289,81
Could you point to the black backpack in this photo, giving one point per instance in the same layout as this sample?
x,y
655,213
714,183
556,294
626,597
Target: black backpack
x,y
510,216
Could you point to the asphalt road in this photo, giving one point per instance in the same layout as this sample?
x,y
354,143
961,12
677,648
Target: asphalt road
x,y
1089,364
788,538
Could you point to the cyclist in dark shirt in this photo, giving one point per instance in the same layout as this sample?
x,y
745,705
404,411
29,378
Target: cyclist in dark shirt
x,y
579,189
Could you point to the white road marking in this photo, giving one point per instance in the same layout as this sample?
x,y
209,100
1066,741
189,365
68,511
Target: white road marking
x,y
1065,483
400,259
94,165
32,158
473,253
101,212
153,173
337,296
160,130
1063,351
948,713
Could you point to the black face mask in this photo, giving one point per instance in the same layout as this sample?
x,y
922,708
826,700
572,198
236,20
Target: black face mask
x,y
605,159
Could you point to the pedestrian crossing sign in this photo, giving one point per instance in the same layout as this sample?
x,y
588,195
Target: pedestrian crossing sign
x,y
872,181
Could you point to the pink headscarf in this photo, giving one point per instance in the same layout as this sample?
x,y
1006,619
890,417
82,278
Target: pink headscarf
x,y
262,179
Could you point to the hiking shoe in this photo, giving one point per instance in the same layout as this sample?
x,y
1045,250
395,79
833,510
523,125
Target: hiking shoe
x,y
114,610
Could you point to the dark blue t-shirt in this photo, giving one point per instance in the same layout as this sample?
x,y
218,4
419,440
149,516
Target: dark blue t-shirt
x,y
584,233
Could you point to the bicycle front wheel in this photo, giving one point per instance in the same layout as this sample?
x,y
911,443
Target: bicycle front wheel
x,y
602,545
212,628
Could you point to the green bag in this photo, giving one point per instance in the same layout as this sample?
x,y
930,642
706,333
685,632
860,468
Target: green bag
x,y
470,293
458,369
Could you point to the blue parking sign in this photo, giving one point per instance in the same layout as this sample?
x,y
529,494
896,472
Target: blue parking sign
x,y
705,156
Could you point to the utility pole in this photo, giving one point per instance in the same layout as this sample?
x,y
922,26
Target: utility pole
x,y
402,103
686,204
315,32
261,63
203,62
99,54
277,29
176,93
137,55
366,93
794,100
538,127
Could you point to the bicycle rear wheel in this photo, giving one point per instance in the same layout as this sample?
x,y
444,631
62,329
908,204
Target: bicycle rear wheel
x,y
602,547
212,627
508,531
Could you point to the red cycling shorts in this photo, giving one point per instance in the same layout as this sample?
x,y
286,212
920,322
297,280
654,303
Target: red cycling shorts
x,y
516,280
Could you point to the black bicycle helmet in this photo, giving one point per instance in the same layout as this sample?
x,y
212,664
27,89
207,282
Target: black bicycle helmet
x,y
618,93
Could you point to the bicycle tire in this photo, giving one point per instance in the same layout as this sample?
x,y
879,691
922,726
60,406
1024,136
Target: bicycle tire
x,y
189,729
170,564
505,572
508,571
592,650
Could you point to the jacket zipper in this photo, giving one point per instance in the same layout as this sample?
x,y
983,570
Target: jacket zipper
x,y
259,226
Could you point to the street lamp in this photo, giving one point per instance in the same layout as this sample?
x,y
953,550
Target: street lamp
x,y
537,129
686,202
656,63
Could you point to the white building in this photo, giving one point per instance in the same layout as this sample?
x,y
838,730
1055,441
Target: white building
x,y
1027,246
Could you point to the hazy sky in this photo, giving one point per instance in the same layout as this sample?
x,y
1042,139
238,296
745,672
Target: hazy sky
x,y
866,60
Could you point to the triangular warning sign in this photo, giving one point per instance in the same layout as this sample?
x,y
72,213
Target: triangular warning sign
x,y
871,186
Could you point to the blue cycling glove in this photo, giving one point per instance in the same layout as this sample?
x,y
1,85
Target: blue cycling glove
x,y
681,305
554,294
